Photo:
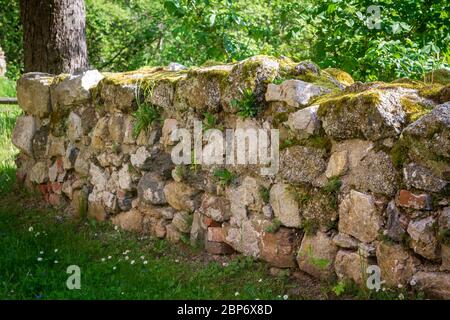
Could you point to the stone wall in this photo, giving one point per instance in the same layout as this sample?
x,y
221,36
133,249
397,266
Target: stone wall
x,y
363,169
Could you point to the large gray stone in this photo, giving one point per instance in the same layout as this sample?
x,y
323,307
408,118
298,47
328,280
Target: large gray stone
x,y
285,206
33,93
151,189
316,256
419,177
294,93
23,134
434,284
359,217
423,238
74,90
299,164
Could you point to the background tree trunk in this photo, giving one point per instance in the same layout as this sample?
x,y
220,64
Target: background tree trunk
x,y
54,35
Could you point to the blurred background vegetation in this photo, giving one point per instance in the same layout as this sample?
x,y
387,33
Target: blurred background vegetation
x,y
128,34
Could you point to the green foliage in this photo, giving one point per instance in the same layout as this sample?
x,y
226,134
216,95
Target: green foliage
x,y
310,226
224,176
320,263
339,288
145,116
333,185
247,106
265,194
332,188
210,122
276,224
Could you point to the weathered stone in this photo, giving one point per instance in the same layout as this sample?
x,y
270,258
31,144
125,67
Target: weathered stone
x,y
142,159
428,140
246,238
100,134
285,206
374,173
338,164
151,189
23,134
99,177
267,211
38,173
168,127
126,182
198,230
130,221
304,121
253,73
82,162
110,202
74,127
217,208
172,233
295,93
422,178
74,90
216,234
311,160
423,238
395,223
434,284
370,115
350,265
79,203
70,157
115,127
117,96
396,264
182,220
279,248
316,255
244,199
410,200
218,248
359,217
181,196
33,93
40,145
345,241
56,146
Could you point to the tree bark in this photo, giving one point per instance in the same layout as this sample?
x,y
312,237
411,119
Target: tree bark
x,y
54,35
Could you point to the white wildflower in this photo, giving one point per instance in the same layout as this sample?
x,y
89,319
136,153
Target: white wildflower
x,y
145,262
236,293
39,259
132,262
30,229
285,297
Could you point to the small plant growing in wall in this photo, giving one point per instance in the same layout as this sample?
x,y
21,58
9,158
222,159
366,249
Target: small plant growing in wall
x,y
332,188
274,227
224,176
265,194
247,107
145,116
210,122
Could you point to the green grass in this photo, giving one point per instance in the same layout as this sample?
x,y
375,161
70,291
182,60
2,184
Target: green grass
x,y
170,272
8,151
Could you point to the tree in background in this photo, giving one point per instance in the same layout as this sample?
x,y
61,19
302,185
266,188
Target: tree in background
x,y
54,35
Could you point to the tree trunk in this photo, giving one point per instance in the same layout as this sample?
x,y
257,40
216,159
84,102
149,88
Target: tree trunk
x,y
54,35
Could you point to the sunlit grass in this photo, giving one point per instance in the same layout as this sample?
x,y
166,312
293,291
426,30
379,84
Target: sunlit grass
x,y
8,115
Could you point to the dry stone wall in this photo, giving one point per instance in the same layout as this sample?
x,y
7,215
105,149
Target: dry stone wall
x,y
363,167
